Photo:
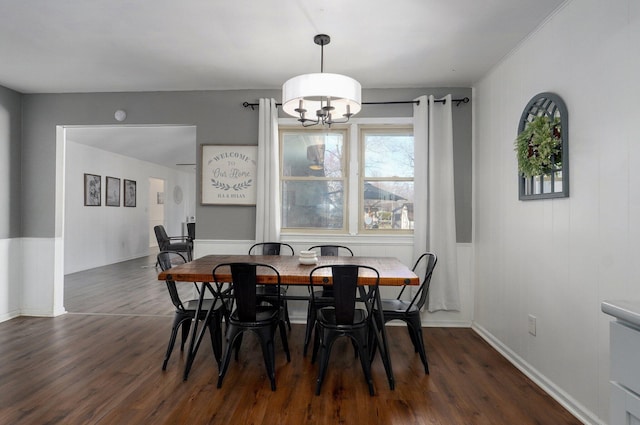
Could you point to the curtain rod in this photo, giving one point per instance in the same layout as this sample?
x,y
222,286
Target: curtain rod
x,y
417,102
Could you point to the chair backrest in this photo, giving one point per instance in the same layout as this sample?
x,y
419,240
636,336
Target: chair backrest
x,y
345,287
271,248
243,281
168,259
331,250
191,230
420,297
161,237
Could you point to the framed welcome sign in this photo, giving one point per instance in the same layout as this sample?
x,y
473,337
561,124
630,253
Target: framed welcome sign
x,y
229,174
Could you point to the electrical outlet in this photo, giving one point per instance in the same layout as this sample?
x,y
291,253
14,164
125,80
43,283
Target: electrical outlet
x,y
532,325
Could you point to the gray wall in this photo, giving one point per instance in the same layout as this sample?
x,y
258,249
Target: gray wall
x,y
220,119
10,135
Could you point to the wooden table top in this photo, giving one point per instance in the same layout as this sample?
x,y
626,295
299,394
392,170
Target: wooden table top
x,y
392,271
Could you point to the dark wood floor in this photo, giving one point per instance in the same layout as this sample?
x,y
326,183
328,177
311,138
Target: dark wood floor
x,y
101,364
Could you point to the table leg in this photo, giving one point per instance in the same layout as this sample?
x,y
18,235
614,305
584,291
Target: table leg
x,y
380,334
196,338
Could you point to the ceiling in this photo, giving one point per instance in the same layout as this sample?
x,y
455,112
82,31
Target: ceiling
x,y
72,46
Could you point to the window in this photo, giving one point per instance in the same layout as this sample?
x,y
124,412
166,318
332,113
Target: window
x,y
386,179
319,166
313,179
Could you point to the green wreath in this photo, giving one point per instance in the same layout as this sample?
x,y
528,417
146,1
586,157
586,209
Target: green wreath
x,y
539,146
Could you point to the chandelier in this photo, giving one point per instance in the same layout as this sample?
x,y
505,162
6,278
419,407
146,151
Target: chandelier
x,y
335,98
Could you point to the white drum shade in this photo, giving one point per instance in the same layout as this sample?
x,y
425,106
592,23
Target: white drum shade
x,y
313,90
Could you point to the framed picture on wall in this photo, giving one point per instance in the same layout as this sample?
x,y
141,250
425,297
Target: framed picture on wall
x,y
129,193
229,174
92,190
113,192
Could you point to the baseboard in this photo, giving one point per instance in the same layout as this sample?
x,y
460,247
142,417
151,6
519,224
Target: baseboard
x,y
85,267
548,386
446,324
10,315
302,320
42,313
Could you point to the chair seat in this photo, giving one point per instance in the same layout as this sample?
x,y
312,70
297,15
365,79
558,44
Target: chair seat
x,y
320,301
192,305
270,290
327,317
178,246
398,306
264,315
206,303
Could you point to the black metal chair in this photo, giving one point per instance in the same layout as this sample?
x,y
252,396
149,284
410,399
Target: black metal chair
x,y
173,243
270,248
249,315
322,297
409,311
342,318
332,250
266,293
186,311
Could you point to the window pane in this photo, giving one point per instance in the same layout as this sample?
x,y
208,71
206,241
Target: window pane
x,y
388,205
312,154
388,155
315,204
558,182
546,183
537,185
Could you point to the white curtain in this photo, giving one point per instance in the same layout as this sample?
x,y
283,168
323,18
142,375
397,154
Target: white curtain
x,y
434,203
268,174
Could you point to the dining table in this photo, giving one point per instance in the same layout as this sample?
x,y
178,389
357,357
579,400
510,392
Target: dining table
x,y
292,272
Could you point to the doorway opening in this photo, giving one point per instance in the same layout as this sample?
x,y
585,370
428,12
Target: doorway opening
x,y
99,235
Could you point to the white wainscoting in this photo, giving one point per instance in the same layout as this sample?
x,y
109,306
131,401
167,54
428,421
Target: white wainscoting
x,y
42,277
11,278
34,287
399,247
